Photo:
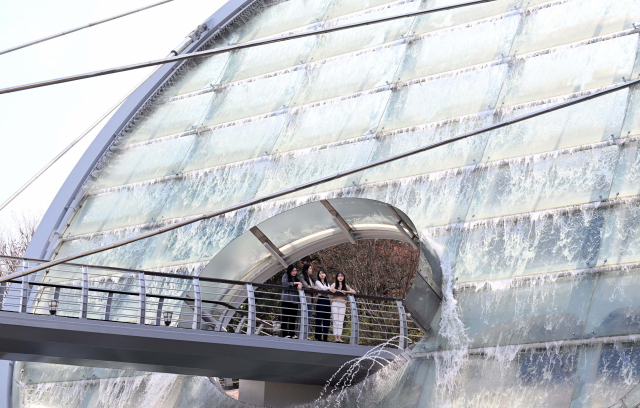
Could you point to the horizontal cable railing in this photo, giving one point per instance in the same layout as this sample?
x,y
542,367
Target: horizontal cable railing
x,y
199,303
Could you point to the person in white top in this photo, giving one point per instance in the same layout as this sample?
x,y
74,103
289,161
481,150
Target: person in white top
x,y
323,308
339,304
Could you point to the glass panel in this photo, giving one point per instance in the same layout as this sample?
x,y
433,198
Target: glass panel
x,y
570,70
341,7
516,246
445,97
352,73
507,379
250,98
358,211
120,207
458,48
127,256
203,191
631,125
198,73
170,118
463,153
605,374
297,223
350,117
526,313
278,17
342,42
228,144
144,163
626,181
571,21
588,122
621,242
402,387
615,308
194,244
440,20
430,200
259,60
237,258
291,169
550,180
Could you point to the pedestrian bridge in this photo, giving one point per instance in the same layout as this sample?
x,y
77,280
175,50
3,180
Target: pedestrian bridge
x,y
123,318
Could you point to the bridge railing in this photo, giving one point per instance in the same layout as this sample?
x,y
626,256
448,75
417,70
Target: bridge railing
x,y
194,303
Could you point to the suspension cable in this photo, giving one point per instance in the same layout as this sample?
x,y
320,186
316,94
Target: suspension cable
x,y
73,30
78,139
335,176
232,48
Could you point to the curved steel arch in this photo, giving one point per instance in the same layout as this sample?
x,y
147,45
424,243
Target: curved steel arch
x,y
422,301
70,194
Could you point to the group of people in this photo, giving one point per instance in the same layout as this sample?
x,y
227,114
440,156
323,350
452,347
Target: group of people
x,y
330,306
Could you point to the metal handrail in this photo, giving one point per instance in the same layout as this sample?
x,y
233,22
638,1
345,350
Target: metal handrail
x,y
235,309
176,276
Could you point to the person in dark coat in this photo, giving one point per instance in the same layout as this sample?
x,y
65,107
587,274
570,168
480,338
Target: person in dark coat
x,y
290,302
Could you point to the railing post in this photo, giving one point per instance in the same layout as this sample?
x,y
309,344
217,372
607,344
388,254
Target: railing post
x,y
142,312
197,305
24,290
355,326
107,309
3,290
84,298
304,316
159,311
251,324
403,341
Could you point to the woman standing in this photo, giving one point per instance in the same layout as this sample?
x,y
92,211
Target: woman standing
x,y
323,308
290,302
339,304
307,283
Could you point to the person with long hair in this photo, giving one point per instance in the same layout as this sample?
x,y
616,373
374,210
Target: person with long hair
x,y
290,301
307,283
340,289
323,308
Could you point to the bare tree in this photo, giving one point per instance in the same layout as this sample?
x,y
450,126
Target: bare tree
x,y
15,238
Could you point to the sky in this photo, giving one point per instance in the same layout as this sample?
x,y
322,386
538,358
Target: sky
x,y
35,125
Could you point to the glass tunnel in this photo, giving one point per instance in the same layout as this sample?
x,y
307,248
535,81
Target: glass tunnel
x,y
535,225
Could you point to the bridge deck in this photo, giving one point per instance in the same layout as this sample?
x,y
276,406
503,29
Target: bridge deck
x,y
62,340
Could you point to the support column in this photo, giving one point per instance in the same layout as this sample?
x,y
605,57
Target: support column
x,y
277,395
6,383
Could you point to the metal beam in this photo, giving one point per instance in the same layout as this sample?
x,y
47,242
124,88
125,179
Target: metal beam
x,y
233,48
274,250
332,177
339,221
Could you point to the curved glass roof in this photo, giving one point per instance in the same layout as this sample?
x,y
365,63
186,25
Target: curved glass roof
x,y
290,235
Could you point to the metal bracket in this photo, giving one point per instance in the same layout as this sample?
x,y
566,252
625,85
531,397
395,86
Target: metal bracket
x,y
400,226
355,326
251,301
274,250
143,299
159,311
339,221
239,328
107,309
403,341
24,290
84,297
197,305
3,290
304,315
